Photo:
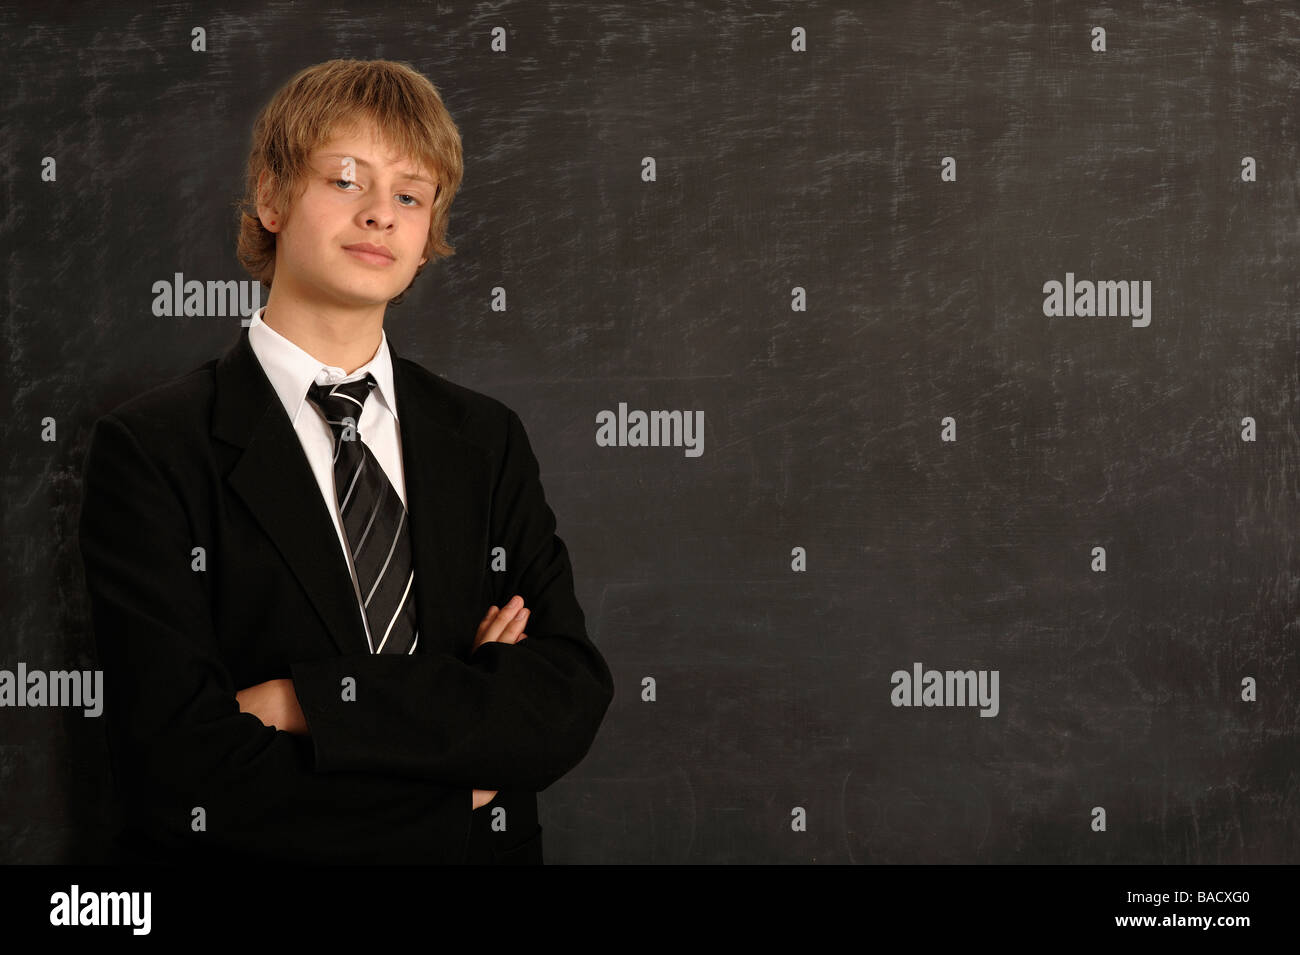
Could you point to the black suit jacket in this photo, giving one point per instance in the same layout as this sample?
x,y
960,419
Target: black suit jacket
x,y
211,461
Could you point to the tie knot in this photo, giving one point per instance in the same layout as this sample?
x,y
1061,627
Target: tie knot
x,y
344,400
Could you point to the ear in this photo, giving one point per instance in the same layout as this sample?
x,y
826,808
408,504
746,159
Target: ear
x,y
267,213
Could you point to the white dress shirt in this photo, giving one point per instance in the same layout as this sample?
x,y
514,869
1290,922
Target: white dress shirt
x,y
291,372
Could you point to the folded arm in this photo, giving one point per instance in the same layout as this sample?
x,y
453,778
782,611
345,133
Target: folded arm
x,y
275,702
514,716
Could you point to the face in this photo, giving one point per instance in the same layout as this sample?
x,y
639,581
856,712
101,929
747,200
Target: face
x,y
358,192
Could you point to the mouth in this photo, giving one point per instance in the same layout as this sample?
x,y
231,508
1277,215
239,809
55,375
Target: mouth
x,y
369,253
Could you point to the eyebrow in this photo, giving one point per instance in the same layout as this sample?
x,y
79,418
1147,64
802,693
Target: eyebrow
x,y
361,162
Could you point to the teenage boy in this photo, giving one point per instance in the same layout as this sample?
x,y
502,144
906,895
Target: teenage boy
x,y
308,561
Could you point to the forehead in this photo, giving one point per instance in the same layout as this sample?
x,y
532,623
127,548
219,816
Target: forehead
x,y
369,150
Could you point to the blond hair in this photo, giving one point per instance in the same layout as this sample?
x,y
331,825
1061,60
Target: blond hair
x,y
332,97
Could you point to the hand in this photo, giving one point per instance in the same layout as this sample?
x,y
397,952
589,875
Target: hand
x,y
503,626
482,797
274,703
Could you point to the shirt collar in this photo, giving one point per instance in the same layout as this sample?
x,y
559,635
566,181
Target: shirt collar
x,y
292,371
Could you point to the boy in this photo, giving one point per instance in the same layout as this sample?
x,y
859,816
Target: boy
x,y
289,551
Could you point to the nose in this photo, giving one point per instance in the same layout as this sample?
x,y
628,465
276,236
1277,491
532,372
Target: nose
x,y
380,213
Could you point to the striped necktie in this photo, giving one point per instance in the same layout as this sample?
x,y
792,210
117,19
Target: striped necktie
x,y
374,521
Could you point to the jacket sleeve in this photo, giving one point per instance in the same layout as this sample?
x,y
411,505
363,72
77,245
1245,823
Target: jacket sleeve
x,y
514,716
178,742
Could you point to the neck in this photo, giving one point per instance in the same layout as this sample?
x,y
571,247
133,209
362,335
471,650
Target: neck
x,y
346,339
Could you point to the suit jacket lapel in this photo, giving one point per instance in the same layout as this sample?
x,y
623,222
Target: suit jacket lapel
x,y
448,496
447,491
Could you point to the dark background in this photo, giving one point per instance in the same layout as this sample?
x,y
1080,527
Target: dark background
x,y
776,169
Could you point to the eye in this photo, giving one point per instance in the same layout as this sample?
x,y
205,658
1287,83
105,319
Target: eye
x,y
403,195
